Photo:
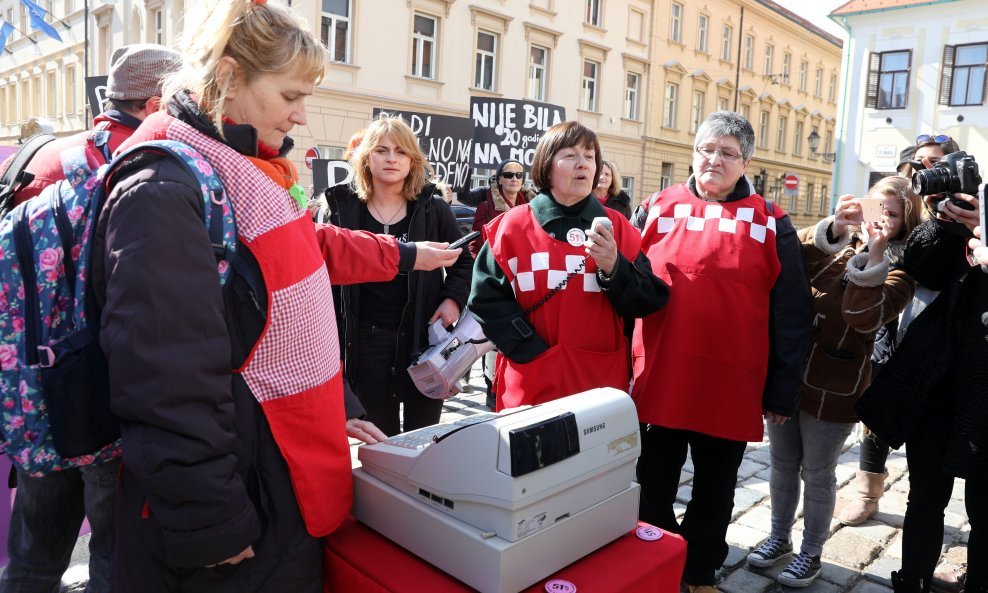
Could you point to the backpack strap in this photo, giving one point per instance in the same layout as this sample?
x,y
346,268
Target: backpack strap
x,y
24,245
100,138
15,177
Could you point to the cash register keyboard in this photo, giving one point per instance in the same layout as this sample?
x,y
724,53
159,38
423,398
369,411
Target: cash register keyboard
x,y
420,438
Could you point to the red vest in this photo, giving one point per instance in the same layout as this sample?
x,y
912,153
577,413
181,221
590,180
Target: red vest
x,y
294,369
700,363
587,346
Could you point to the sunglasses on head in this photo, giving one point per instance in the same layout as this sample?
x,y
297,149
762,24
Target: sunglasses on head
x,y
511,175
939,138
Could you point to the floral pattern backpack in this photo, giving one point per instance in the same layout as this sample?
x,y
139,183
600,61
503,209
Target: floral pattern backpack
x,y
54,404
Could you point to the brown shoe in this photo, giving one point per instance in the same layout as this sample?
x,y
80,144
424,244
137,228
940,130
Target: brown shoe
x,y
869,487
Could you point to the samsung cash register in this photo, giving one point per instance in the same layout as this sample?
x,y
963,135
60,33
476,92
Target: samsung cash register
x,y
501,501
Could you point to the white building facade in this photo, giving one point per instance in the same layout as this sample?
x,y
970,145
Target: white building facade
x,y
910,68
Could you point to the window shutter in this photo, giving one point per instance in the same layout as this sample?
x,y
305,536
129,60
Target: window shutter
x,y
875,62
946,74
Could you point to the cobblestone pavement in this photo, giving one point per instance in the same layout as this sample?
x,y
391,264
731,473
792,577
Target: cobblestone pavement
x,y
855,559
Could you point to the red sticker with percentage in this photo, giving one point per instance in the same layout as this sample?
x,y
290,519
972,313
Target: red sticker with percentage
x,y
560,586
648,533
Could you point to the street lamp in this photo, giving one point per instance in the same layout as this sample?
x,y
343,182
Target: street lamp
x,y
814,141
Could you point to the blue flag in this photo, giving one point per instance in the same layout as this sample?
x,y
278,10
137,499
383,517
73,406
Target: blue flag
x,y
5,29
38,23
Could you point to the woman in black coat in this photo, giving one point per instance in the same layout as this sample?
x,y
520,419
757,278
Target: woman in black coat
x,y
384,325
608,190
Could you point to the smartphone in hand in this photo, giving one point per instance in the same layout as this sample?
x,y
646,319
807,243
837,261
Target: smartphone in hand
x,y
462,241
604,221
871,209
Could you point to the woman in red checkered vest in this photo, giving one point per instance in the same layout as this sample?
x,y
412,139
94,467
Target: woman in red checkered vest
x,y
552,293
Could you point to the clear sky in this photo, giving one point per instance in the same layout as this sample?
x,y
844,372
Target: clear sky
x,y
816,12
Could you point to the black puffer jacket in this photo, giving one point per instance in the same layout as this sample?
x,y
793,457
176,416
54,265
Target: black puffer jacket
x,y
620,202
431,220
941,366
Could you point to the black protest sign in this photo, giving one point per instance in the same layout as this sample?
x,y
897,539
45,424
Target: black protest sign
x,y
509,129
96,94
446,142
327,173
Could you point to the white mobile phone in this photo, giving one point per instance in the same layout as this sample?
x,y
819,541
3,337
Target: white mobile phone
x,y
871,209
602,220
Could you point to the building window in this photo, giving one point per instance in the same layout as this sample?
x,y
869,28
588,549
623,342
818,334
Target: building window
x,y
797,139
52,96
832,91
769,59
480,177
666,179
810,195
888,80
628,185
793,199
424,35
104,52
631,95
824,200
702,28
780,134
594,13
157,33
786,66
670,105
749,51
962,80
676,23
486,60
818,83
538,66
36,95
763,129
727,43
804,68
588,101
335,29
636,25
69,6
828,142
4,116
71,106
746,111
696,111
721,103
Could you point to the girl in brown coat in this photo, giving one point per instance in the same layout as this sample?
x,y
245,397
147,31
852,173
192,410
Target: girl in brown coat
x,y
857,288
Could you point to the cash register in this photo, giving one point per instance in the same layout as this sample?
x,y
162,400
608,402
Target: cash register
x,y
501,501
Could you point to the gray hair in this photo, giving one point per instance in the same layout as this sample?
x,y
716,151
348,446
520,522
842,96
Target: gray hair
x,y
727,123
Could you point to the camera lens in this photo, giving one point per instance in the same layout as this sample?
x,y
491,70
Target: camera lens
x,y
931,181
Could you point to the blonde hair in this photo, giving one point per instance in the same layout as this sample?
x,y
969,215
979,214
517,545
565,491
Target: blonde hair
x,y
912,208
615,187
401,134
260,38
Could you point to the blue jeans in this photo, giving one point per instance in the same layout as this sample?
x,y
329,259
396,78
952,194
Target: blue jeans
x,y
807,448
44,527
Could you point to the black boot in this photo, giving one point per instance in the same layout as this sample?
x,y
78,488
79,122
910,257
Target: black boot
x,y
907,583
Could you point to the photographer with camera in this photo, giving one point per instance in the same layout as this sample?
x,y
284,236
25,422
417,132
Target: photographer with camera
x,y
934,399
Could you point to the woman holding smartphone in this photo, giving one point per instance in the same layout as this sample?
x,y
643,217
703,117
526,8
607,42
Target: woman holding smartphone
x,y
383,325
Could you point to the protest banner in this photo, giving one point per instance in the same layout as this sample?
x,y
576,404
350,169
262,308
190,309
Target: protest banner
x,y
509,129
329,173
96,94
446,142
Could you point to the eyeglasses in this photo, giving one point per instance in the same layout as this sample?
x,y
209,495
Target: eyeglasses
x,y
725,155
511,175
939,139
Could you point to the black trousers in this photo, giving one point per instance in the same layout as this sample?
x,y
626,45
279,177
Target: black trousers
x,y
929,494
382,389
708,514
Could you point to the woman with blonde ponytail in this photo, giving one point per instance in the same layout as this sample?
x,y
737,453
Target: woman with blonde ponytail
x,y
224,362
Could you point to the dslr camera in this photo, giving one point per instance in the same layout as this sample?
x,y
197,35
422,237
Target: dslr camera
x,y
956,172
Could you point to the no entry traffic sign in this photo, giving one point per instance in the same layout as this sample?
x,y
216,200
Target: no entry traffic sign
x,y
791,182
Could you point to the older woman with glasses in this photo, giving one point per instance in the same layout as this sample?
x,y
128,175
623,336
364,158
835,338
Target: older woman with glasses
x,y
730,346
505,192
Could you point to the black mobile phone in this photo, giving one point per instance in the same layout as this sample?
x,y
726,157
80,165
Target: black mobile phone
x,y
462,241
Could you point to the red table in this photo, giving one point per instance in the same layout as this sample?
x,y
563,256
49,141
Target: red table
x,y
359,560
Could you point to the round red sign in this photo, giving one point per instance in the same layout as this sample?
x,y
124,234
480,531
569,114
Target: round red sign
x,y
310,155
792,181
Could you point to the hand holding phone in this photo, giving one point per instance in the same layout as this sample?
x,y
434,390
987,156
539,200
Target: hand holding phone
x,y
871,209
462,241
603,221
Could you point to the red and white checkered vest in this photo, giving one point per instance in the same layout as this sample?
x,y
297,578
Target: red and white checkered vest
x,y
587,346
700,363
294,369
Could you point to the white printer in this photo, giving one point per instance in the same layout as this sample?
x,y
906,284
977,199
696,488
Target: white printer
x,y
501,501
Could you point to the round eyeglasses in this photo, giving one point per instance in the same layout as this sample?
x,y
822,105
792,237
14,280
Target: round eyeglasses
x,y
725,155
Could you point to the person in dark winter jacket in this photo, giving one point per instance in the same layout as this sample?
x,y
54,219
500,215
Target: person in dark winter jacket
x,y
858,287
934,399
233,426
384,325
608,189
505,192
